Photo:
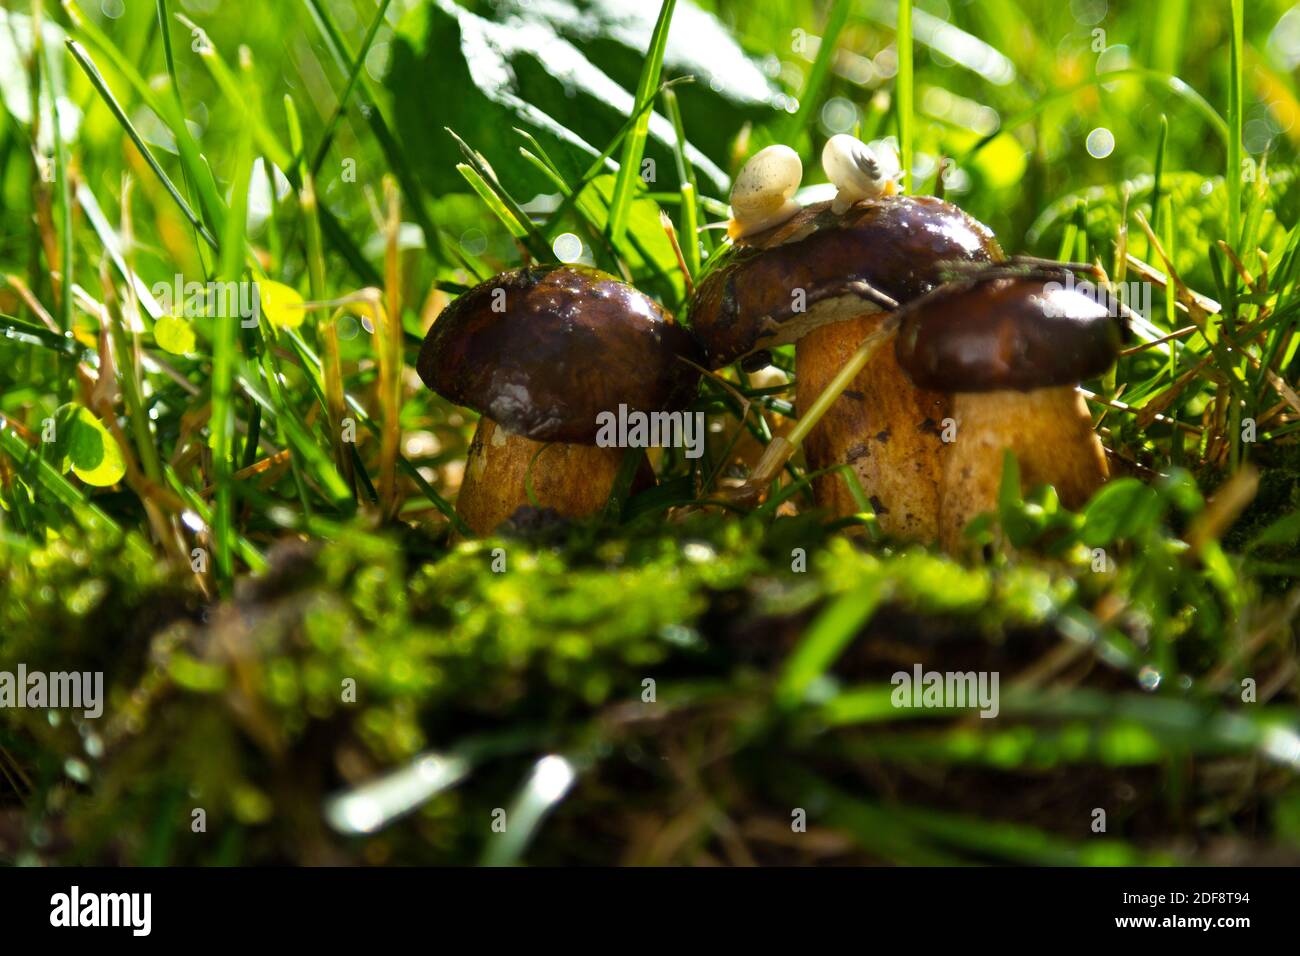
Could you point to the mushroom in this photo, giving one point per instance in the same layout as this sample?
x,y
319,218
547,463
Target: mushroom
x,y
540,353
1011,349
826,280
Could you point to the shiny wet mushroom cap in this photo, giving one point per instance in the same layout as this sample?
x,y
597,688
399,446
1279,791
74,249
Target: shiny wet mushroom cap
x,y
1000,331
1009,347
766,290
544,350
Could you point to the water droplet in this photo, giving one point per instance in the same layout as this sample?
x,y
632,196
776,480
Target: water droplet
x,y
838,115
1148,678
1101,143
697,552
552,777
1089,12
567,247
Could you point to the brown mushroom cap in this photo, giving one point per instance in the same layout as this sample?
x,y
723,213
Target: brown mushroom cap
x,y
896,244
568,343
1004,331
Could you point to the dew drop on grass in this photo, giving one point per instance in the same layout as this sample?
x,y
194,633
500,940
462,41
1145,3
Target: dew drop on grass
x,y
1257,135
284,517
567,247
1148,678
1100,143
680,635
838,115
94,745
1088,12
697,552
552,777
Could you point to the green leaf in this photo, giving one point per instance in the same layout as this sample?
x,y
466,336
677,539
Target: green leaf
x,y
173,334
89,449
1014,515
1123,508
563,73
281,304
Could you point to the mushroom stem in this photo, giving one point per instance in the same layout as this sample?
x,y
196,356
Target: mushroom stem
x,y
883,427
573,479
781,450
1051,434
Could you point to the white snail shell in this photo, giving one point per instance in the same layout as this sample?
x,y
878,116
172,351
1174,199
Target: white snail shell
x,y
761,194
858,171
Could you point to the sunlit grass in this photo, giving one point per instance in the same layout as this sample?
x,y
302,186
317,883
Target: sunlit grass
x,y
301,474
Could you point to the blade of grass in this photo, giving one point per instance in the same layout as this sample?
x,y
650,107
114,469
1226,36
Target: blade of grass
x,y
388,343
825,639
688,223
1235,79
225,333
331,365
240,96
164,29
550,781
447,253
191,159
483,180
904,91
358,62
101,86
809,97
634,144
312,362
1157,181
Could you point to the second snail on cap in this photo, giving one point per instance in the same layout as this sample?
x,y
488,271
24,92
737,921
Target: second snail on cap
x,y
857,171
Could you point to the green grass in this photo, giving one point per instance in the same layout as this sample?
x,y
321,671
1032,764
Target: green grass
x,y
317,477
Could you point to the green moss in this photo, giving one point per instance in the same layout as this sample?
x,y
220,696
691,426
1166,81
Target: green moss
x,y
353,657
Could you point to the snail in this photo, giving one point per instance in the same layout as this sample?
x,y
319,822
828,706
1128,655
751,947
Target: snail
x,y
825,280
858,171
761,196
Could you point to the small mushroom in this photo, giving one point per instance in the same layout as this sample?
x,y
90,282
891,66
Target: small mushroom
x,y
540,353
826,280
1011,350
762,195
